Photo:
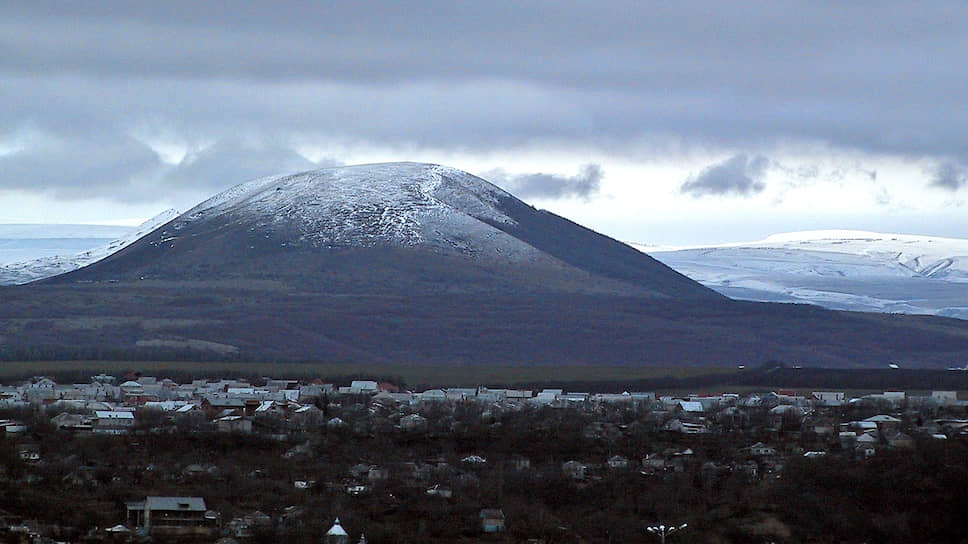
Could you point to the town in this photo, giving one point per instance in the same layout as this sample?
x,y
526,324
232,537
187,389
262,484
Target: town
x,y
146,459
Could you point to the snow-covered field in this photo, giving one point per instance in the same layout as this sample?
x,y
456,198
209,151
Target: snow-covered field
x,y
33,252
848,270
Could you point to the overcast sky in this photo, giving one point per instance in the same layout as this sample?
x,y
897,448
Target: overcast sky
x,y
666,123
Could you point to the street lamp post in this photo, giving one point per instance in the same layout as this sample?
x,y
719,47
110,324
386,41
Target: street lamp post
x,y
663,531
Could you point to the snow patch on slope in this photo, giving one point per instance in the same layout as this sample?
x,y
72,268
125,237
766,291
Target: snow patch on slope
x,y
397,204
35,269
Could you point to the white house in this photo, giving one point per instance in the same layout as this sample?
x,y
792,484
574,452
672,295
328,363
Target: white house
x,y
830,398
112,422
364,386
895,397
691,406
945,398
433,395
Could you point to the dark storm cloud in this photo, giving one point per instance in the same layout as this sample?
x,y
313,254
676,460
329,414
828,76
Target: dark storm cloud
x,y
483,76
583,185
950,175
738,175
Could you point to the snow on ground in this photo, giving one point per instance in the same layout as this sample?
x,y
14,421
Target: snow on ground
x,y
850,270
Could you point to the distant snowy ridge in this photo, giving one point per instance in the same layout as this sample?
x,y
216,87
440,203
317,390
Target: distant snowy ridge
x,y
26,242
28,271
852,270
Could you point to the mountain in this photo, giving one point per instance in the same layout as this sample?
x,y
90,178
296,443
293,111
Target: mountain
x,y
330,228
56,249
844,270
415,264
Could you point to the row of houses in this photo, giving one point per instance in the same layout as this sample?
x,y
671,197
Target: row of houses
x,y
166,394
235,405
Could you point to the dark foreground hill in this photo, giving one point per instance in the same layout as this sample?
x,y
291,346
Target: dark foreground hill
x,y
420,264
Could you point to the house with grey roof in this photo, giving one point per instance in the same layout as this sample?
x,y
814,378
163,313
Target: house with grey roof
x,y
171,515
113,421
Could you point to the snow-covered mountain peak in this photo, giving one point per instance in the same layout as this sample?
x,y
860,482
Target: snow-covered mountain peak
x,y
373,204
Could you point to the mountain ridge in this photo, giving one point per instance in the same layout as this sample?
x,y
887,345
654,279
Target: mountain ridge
x,y
420,264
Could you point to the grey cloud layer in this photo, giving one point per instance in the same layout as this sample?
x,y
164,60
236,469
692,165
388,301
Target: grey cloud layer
x,y
583,185
950,175
128,170
738,175
481,76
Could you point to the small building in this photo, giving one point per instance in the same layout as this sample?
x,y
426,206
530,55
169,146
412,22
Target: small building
x,y
684,427
433,395
215,404
492,520
830,398
517,394
176,515
271,408
364,386
233,424
460,393
895,397
643,396
690,407
112,422
945,398
574,398
885,423
9,427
